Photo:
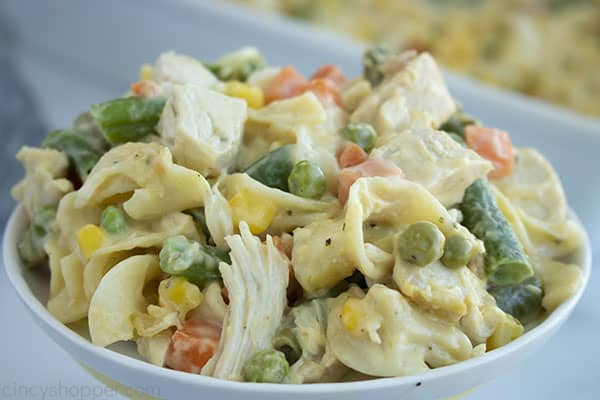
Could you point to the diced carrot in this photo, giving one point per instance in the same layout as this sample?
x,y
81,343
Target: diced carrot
x,y
325,90
331,72
193,345
351,155
371,167
494,145
287,83
146,88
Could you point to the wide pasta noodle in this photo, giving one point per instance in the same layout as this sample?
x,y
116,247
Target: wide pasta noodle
x,y
219,220
395,202
392,338
291,211
434,160
256,282
44,182
118,297
146,170
536,193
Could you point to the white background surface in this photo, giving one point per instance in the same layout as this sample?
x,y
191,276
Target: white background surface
x,y
74,54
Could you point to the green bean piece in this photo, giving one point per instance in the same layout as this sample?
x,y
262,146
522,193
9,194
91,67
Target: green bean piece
x,y
267,366
82,154
307,180
457,252
113,220
237,66
31,247
274,168
523,300
128,119
505,260
373,59
286,342
421,244
457,122
196,262
362,134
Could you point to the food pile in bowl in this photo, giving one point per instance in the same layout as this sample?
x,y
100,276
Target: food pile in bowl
x,y
245,222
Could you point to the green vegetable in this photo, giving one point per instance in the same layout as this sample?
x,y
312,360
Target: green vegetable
x,y
31,247
196,262
362,134
457,122
82,154
113,220
505,260
307,180
286,342
274,168
237,66
523,300
128,119
267,366
373,58
457,251
421,243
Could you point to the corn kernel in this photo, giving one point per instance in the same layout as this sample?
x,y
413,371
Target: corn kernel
x,y
252,94
257,214
179,294
146,72
89,238
351,315
506,331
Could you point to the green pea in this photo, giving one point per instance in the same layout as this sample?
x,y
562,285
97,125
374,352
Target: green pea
x,y
285,341
421,243
267,366
457,251
113,220
196,262
31,247
307,180
362,134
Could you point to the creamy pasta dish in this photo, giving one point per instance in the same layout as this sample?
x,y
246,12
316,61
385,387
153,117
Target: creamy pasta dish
x,y
245,222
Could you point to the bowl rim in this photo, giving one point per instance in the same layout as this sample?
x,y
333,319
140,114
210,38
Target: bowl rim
x,y
12,266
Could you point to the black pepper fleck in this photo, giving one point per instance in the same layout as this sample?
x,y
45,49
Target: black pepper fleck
x,y
327,241
419,384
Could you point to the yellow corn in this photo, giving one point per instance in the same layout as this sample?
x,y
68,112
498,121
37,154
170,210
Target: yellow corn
x,y
252,94
258,214
179,294
89,238
146,72
506,331
352,316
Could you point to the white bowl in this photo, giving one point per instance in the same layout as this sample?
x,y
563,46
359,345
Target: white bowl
x,y
121,364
